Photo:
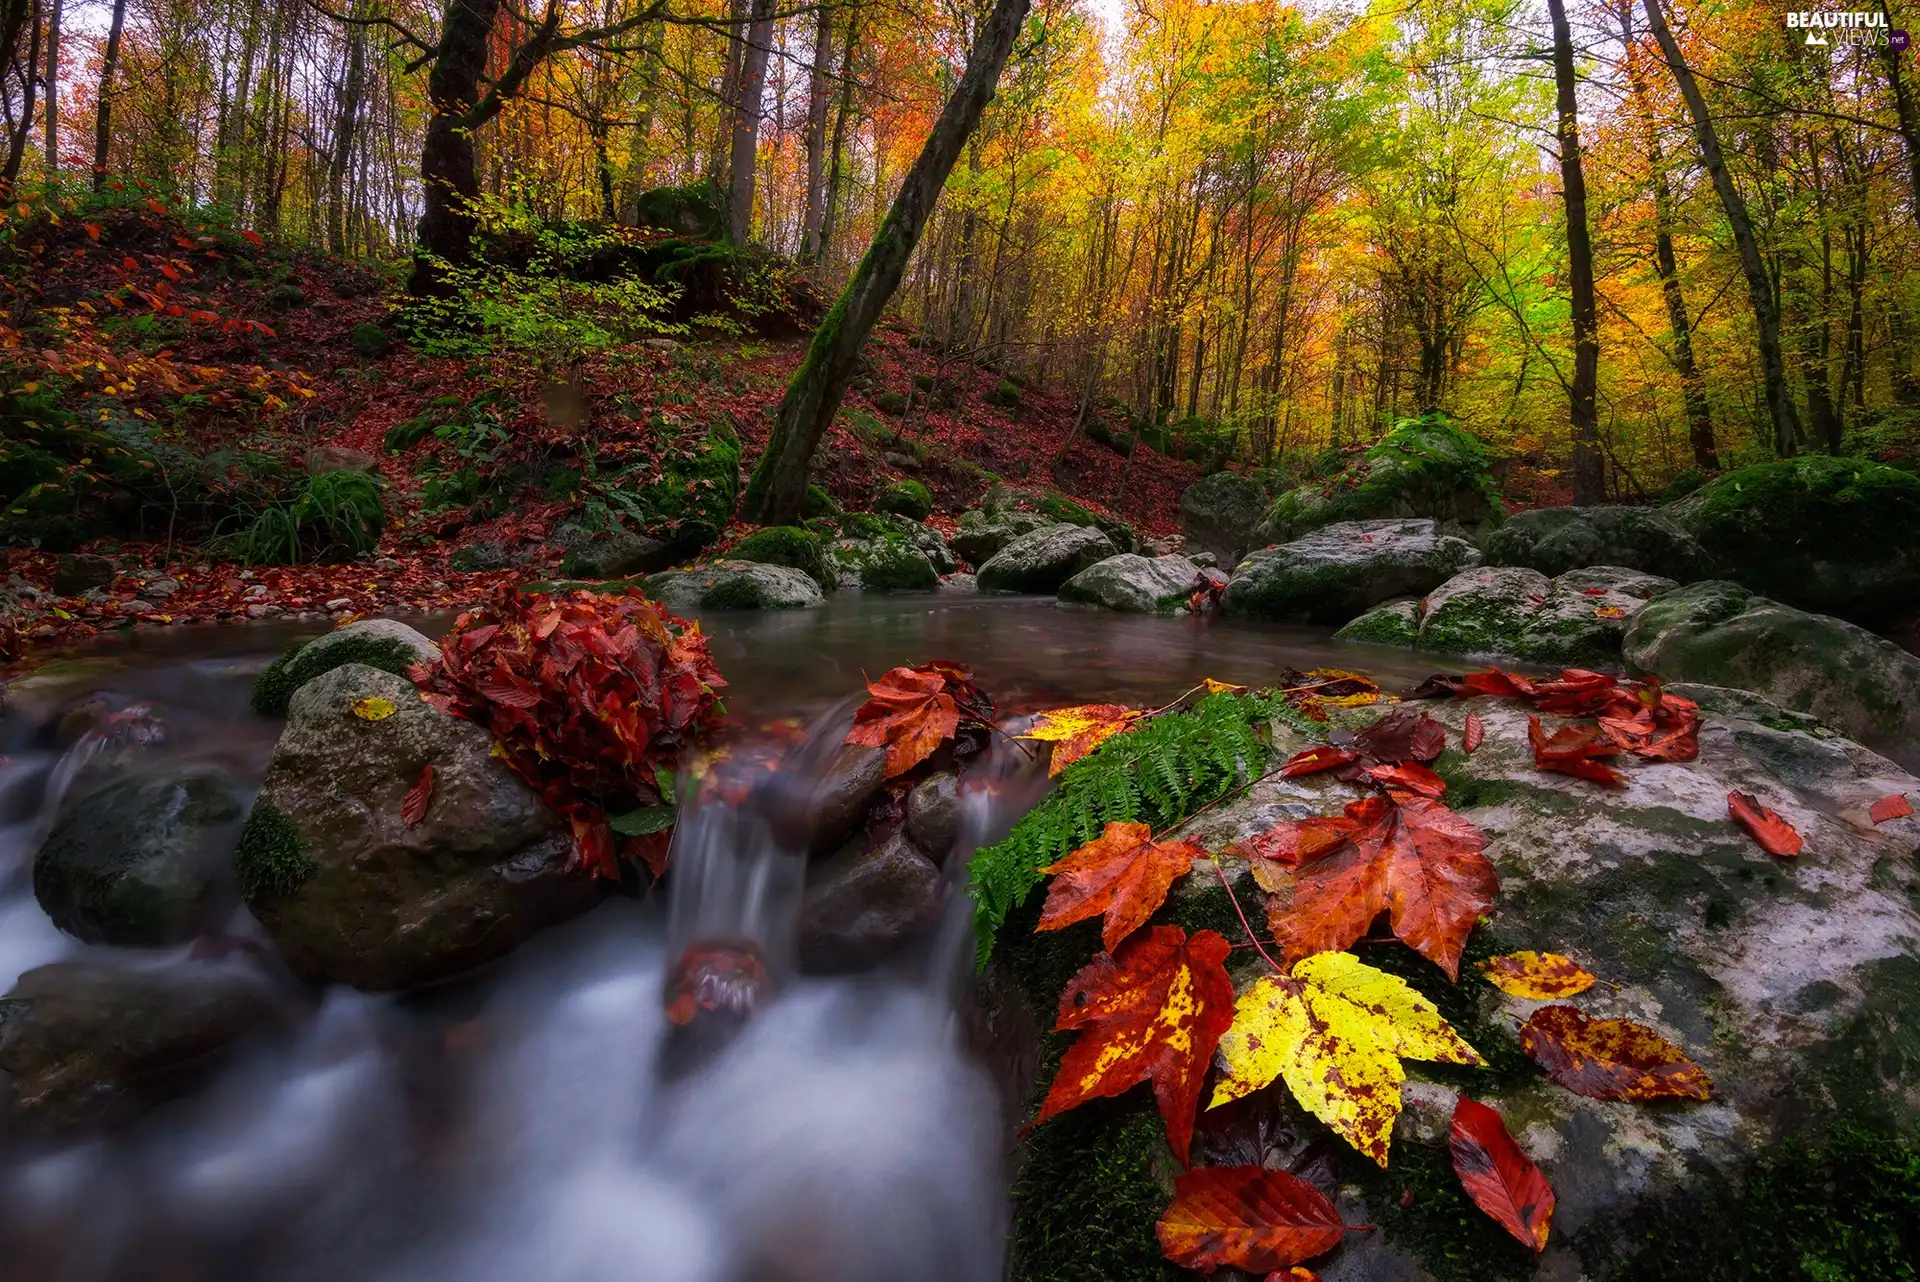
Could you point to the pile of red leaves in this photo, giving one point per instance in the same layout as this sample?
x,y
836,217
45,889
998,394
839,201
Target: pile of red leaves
x,y
1635,717
591,699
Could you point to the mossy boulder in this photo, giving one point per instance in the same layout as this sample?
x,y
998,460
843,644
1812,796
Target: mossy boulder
x,y
905,498
369,341
1576,620
1044,559
1789,981
1219,514
1836,535
386,644
1722,634
735,585
1554,540
616,554
1134,584
1336,572
1003,501
1424,467
981,535
350,891
142,861
785,545
885,562
698,209
688,497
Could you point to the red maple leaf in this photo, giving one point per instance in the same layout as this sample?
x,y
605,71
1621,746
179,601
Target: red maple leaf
x,y
1122,873
1293,841
1775,835
1611,1059
1153,1011
1311,761
1408,856
1474,733
1501,1180
1574,750
912,711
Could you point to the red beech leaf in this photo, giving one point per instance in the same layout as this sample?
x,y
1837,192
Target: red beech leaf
x,y
1400,736
1611,1059
1312,761
1409,856
1501,1180
1576,751
413,808
1152,1011
1474,733
1246,1217
1412,776
1775,835
1122,873
1892,806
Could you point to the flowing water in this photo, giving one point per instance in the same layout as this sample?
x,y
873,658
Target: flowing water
x,y
533,1122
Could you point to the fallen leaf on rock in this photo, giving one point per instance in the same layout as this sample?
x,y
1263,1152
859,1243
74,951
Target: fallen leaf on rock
x,y
1775,835
1412,776
1079,730
413,807
1537,976
1610,612
1408,855
1153,1011
1402,735
909,713
1292,841
1501,1180
1473,735
1311,761
1335,1030
1610,1059
1295,1274
1574,750
1892,806
1246,1217
374,708
1122,873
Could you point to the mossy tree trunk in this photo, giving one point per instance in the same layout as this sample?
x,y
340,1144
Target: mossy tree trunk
x,y
778,489
1766,316
1589,472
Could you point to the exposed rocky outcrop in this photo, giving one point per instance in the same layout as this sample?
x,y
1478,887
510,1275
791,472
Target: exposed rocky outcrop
x,y
1336,572
1045,559
1134,584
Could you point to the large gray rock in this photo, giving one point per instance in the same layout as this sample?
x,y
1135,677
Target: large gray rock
x,y
1219,514
981,535
362,631
1336,572
354,894
100,1040
885,563
79,571
862,905
1554,540
1577,619
1721,634
735,585
1793,982
140,861
1134,583
1045,559
619,555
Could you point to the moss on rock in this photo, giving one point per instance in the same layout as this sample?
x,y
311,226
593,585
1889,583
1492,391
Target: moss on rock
x,y
1426,466
785,545
905,498
273,688
270,859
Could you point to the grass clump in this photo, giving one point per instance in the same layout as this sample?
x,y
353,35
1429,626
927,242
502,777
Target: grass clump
x,y
336,516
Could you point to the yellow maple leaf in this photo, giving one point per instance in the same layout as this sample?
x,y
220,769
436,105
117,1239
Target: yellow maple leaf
x,y
373,709
1537,976
1335,1031
1210,686
1080,729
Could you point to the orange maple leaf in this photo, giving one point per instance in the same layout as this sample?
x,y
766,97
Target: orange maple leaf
x,y
1612,1059
910,714
1153,1011
1079,730
1407,855
1247,1217
1123,873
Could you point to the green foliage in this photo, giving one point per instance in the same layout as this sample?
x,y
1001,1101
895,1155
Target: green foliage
x,y
1157,774
273,689
905,498
1005,393
336,516
67,477
270,858
1092,1182
685,498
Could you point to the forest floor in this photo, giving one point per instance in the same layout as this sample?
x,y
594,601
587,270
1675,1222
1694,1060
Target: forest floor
x,y
244,356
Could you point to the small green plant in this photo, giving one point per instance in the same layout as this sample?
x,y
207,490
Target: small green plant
x,y
336,516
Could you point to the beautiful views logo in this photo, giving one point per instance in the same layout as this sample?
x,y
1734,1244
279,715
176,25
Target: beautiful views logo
x,y
1852,26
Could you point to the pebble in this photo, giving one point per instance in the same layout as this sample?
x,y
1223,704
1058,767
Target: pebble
x,y
160,589
264,611
340,603
138,607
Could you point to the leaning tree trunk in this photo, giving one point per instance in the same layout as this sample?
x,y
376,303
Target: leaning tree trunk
x,y
741,168
449,179
1766,316
1589,472
103,113
778,489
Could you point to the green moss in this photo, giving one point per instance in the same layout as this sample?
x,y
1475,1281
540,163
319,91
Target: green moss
x,y
1005,393
784,545
905,498
734,592
270,858
1390,624
1091,1185
369,341
688,498
405,434
1426,466
273,689
889,562
819,503
891,402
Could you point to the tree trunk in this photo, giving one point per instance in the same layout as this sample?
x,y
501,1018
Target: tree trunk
x,y
448,178
1589,468
819,84
1766,317
746,123
1906,111
352,87
778,489
841,114
1693,389
103,114
50,111
729,91
26,13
